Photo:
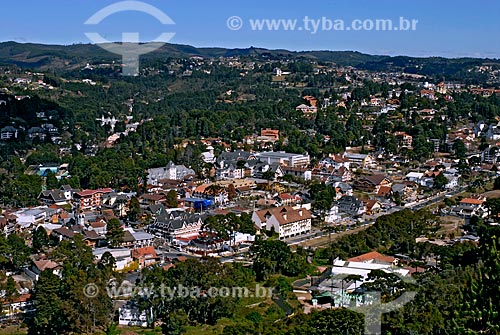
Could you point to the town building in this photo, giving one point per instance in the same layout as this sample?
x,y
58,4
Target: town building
x,y
286,221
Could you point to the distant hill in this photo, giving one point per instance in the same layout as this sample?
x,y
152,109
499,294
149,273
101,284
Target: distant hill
x,y
68,57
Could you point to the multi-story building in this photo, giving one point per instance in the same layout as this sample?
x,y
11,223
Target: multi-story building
x,y
90,199
171,171
286,221
176,224
284,158
404,140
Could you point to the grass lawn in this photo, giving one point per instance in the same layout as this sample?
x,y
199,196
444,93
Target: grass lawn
x,y
13,330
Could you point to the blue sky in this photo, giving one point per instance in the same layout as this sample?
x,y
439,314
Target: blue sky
x,y
445,28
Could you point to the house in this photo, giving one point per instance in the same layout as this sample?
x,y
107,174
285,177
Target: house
x,y
372,206
228,158
36,268
299,172
371,183
90,199
285,220
122,256
335,160
268,134
333,215
288,200
208,156
141,239
429,94
257,168
453,179
335,281
145,256
342,189
36,132
306,110
116,202
51,197
8,133
493,132
31,217
127,240
18,307
63,233
50,128
362,160
341,174
406,190
213,192
7,224
176,224
480,129
130,314
472,206
151,199
404,140
171,171
415,177
231,172
284,158
351,205
91,238
383,191
374,257
69,191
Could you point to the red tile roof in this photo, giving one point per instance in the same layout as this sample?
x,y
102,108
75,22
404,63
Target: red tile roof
x,y
143,252
472,201
45,264
85,193
372,256
285,214
384,191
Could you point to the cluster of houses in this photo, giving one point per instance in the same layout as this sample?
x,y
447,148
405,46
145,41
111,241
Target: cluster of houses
x,y
45,130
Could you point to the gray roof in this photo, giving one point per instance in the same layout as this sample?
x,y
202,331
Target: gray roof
x,y
56,195
8,129
234,156
398,188
176,220
348,200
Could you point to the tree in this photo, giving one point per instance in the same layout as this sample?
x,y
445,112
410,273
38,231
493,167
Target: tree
x,y
115,232
8,287
48,318
274,256
19,251
246,225
478,311
51,181
459,148
40,239
134,209
79,310
330,321
496,183
172,199
269,175
493,205
440,181
107,263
